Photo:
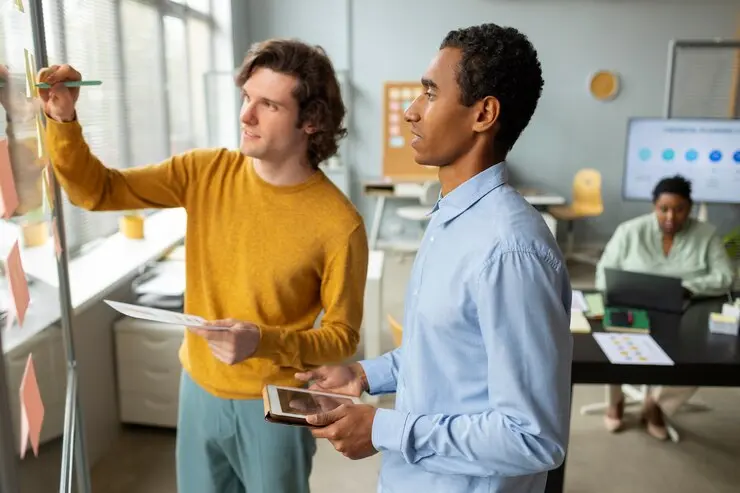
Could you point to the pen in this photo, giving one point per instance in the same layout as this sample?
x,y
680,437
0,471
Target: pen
x,y
72,83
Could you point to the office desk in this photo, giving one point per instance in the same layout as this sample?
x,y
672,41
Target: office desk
x,y
383,190
701,359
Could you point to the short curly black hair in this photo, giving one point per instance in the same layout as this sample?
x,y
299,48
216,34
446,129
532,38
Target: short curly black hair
x,y
500,62
318,92
677,185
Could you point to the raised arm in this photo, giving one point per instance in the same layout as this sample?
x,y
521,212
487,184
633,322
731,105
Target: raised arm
x,y
88,183
720,276
342,295
92,186
525,329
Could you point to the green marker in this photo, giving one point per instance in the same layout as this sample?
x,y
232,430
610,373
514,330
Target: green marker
x,y
72,83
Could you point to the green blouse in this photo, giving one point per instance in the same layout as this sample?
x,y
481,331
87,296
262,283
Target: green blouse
x,y
697,256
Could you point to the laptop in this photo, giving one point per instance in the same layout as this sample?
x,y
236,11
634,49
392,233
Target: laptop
x,y
645,291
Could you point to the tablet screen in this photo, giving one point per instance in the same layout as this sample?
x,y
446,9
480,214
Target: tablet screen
x,y
305,403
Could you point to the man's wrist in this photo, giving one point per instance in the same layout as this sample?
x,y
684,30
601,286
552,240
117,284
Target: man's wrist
x,y
359,373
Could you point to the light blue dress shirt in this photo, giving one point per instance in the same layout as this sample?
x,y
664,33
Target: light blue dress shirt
x,y
482,377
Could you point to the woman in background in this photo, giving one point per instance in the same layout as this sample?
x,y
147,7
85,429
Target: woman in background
x,y
666,242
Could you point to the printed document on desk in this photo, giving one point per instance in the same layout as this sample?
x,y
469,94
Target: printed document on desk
x,y
161,316
632,349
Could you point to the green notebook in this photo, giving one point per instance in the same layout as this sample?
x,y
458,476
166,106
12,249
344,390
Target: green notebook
x,y
640,321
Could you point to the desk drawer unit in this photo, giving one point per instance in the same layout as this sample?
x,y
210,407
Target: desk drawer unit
x,y
148,369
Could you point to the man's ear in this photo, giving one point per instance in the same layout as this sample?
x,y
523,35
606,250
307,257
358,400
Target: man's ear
x,y
310,128
488,110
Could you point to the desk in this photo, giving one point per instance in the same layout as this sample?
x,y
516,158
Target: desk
x,y
383,190
701,359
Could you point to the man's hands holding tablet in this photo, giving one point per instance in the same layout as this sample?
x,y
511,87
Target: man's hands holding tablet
x,y
348,427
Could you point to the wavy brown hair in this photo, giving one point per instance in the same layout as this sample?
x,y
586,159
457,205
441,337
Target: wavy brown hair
x,y
317,90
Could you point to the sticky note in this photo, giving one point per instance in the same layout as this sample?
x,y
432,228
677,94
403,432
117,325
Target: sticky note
x,y
57,241
407,93
395,130
395,106
30,78
40,138
397,142
19,295
32,409
8,194
19,5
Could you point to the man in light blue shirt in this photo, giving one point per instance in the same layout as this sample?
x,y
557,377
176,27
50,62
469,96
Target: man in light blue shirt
x,y
482,377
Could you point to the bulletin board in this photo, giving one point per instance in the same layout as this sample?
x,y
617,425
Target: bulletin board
x,y
398,155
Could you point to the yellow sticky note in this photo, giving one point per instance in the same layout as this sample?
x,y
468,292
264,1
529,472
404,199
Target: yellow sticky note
x,y
41,138
19,6
30,79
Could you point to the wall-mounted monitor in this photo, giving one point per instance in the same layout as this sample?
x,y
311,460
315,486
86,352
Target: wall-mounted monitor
x,y
704,151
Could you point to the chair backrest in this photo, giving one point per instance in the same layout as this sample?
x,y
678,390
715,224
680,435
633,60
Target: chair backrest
x,y
396,330
430,193
587,199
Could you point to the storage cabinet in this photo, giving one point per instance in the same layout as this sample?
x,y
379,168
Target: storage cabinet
x,y
148,370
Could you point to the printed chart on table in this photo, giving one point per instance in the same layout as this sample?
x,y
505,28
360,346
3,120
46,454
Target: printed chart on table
x,y
632,349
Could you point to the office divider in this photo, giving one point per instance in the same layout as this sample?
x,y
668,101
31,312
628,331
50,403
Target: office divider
x,y
73,440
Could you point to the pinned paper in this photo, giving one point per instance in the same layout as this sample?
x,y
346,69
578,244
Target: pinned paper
x,y
397,142
48,188
19,6
19,296
395,130
57,241
41,138
31,90
395,93
32,409
8,194
395,106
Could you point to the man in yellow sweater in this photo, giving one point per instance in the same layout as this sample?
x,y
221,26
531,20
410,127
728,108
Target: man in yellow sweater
x,y
271,242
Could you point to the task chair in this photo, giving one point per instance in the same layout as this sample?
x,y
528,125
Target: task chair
x,y
396,330
586,202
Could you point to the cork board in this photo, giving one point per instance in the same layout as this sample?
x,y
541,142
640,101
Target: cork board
x,y
398,155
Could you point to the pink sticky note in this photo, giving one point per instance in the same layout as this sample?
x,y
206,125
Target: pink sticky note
x,y
8,194
19,296
32,409
395,106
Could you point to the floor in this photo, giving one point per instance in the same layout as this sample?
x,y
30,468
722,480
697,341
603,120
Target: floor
x,y
704,461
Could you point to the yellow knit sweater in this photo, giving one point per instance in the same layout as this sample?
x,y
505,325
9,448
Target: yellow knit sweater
x,y
271,255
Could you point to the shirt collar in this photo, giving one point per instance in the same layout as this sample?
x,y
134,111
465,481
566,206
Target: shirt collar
x,y
461,198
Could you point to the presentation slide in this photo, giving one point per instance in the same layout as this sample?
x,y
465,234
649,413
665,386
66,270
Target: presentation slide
x,y
704,151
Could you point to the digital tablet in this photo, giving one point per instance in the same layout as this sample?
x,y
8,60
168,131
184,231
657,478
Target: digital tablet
x,y
291,405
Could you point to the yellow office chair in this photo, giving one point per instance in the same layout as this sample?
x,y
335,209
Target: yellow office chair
x,y
586,202
396,330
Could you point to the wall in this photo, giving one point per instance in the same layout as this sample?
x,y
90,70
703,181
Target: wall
x,y
387,39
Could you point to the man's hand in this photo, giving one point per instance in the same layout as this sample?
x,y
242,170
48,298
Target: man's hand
x,y
349,428
341,379
234,344
59,101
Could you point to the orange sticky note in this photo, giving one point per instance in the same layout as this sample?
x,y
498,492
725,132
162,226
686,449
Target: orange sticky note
x,y
19,296
8,194
32,409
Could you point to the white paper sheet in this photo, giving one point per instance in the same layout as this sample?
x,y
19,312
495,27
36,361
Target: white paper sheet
x,y
578,301
161,316
579,322
632,349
